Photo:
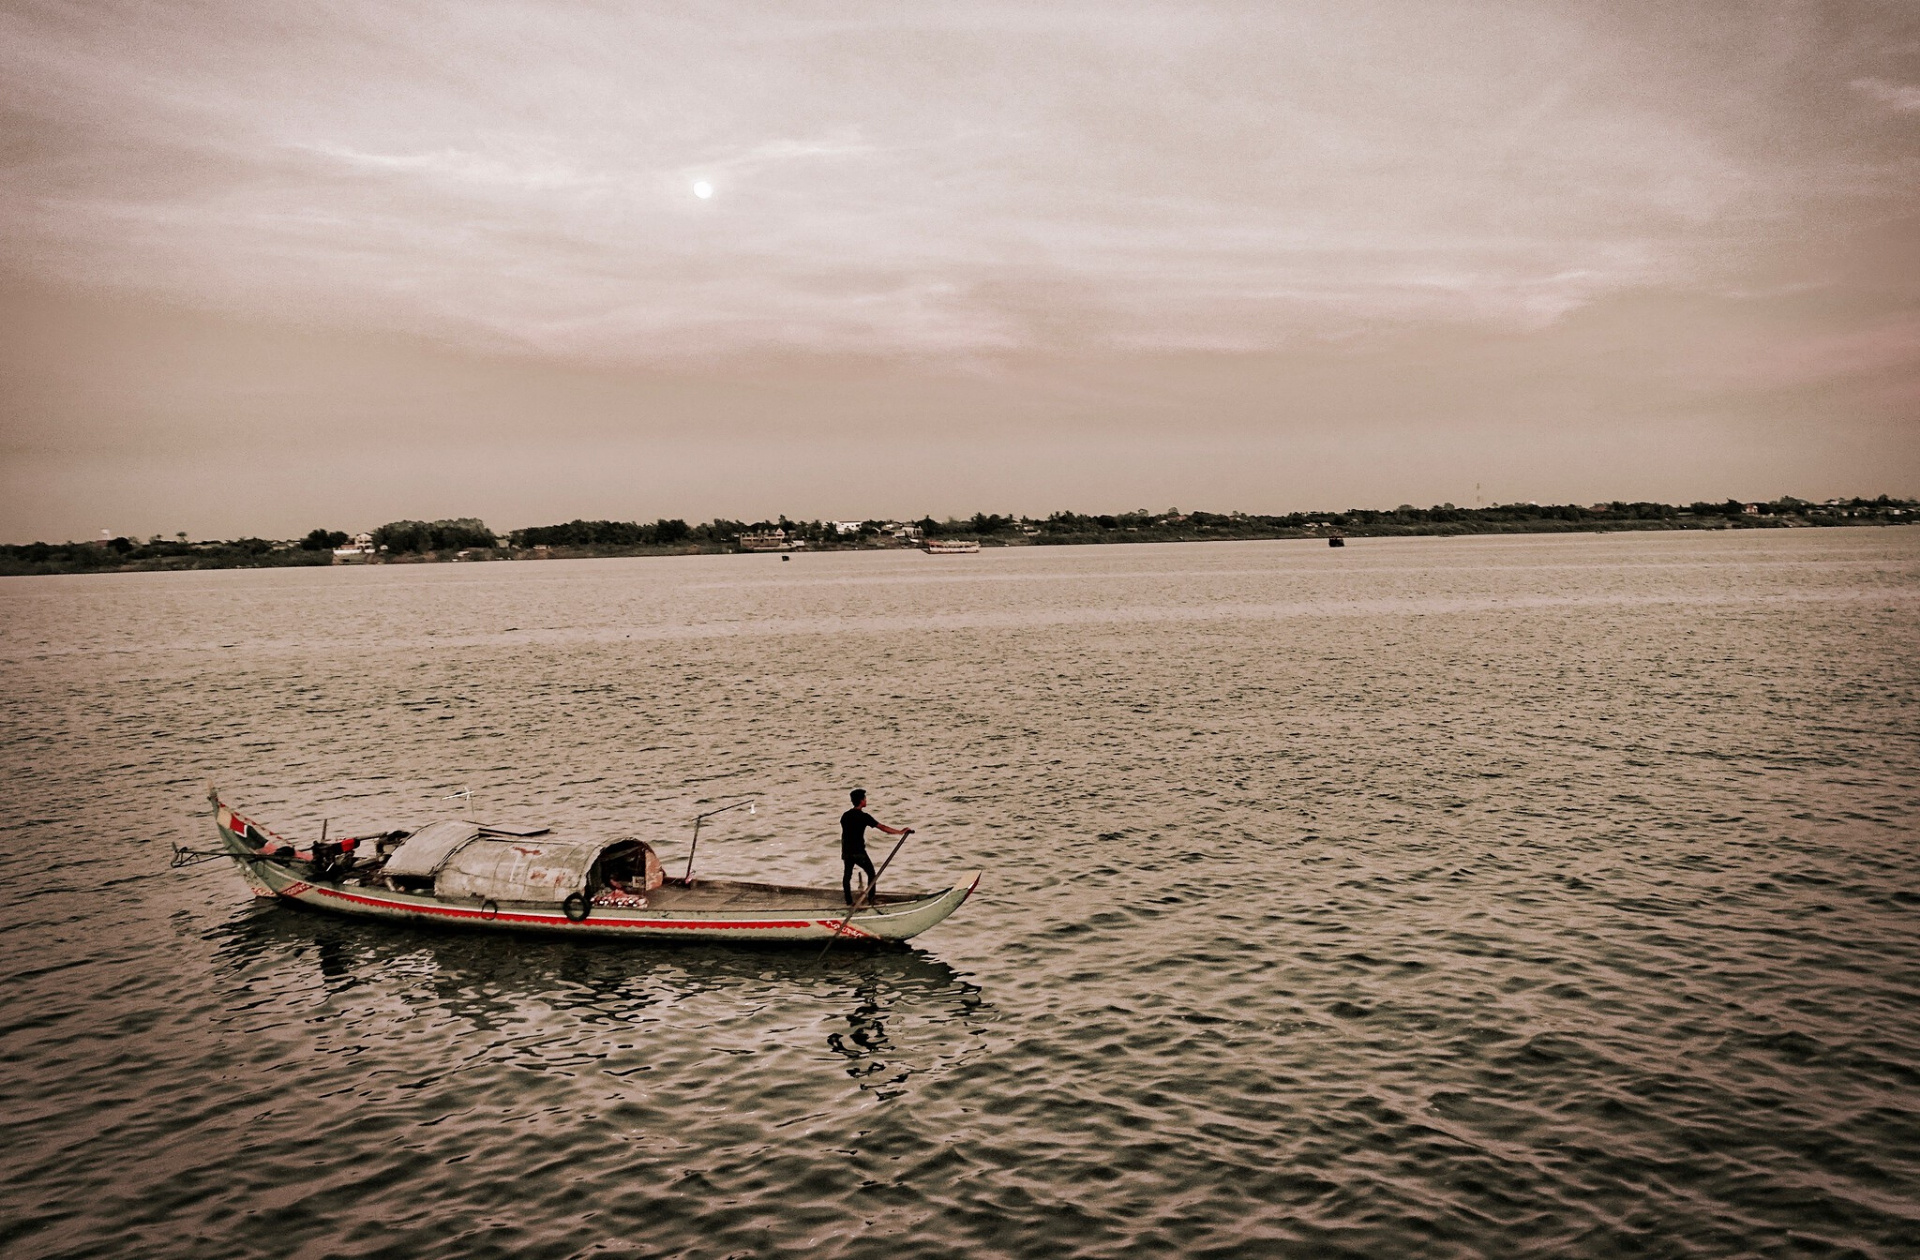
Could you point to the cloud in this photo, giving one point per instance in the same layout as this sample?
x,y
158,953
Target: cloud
x,y
1055,196
1901,97
968,181
1888,349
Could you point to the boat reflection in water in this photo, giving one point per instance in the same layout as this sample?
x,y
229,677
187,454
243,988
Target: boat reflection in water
x,y
724,1022
872,1058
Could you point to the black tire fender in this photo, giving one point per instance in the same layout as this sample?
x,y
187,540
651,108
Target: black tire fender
x,y
489,909
575,907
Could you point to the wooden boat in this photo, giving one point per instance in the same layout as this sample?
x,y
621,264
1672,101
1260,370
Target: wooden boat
x,y
949,546
526,879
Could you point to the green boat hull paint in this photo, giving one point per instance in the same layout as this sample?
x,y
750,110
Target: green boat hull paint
x,y
820,922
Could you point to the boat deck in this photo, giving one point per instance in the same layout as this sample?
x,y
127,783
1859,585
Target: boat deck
x,y
728,895
706,895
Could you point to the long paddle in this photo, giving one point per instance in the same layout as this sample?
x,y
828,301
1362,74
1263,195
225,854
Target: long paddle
x,y
865,893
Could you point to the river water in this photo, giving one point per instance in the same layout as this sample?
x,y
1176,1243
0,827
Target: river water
x,y
1537,896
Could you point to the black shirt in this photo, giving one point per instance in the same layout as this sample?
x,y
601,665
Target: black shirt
x,y
853,828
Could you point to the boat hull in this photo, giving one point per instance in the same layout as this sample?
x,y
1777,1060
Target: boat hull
x,y
889,922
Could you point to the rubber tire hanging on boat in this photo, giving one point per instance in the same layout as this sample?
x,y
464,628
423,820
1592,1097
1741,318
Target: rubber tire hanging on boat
x,y
489,909
575,907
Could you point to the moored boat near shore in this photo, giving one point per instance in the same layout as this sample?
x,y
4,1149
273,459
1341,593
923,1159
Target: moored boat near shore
x,y
527,879
949,546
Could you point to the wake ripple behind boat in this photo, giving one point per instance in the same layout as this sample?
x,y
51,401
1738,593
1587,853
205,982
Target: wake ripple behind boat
x,y
526,879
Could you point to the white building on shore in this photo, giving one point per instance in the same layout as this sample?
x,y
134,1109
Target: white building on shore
x,y
359,548
767,540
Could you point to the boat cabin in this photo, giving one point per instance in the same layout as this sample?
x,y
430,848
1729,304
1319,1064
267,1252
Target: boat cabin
x,y
460,860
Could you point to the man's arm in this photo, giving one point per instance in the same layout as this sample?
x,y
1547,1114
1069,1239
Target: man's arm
x,y
893,831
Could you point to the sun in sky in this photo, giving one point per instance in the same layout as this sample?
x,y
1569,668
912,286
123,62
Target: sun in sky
x,y
702,189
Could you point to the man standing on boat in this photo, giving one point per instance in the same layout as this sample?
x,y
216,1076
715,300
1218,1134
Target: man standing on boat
x,y
853,841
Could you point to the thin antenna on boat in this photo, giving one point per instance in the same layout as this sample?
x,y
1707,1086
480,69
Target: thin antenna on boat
x,y
464,794
687,879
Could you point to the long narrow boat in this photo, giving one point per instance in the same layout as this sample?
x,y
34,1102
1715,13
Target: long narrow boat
x,y
526,879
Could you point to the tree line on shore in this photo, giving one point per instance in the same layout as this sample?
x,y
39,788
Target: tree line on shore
x,y
468,537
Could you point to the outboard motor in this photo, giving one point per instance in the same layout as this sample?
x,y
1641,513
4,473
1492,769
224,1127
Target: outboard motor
x,y
326,858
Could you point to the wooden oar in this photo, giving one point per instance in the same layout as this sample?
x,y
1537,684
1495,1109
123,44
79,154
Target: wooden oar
x,y
865,893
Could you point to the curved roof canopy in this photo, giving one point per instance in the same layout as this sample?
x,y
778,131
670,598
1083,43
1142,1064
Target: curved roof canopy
x,y
541,870
425,851
526,864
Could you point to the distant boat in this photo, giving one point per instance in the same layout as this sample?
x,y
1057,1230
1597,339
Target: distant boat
x,y
526,879
949,546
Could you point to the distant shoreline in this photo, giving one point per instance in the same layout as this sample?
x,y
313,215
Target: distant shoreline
x,y
469,541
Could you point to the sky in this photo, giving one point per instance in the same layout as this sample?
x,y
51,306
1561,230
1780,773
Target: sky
x,y
274,266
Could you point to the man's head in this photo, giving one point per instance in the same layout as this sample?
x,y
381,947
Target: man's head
x,y
859,796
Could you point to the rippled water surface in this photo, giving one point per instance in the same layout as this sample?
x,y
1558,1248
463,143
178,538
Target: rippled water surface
x,y
1476,897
